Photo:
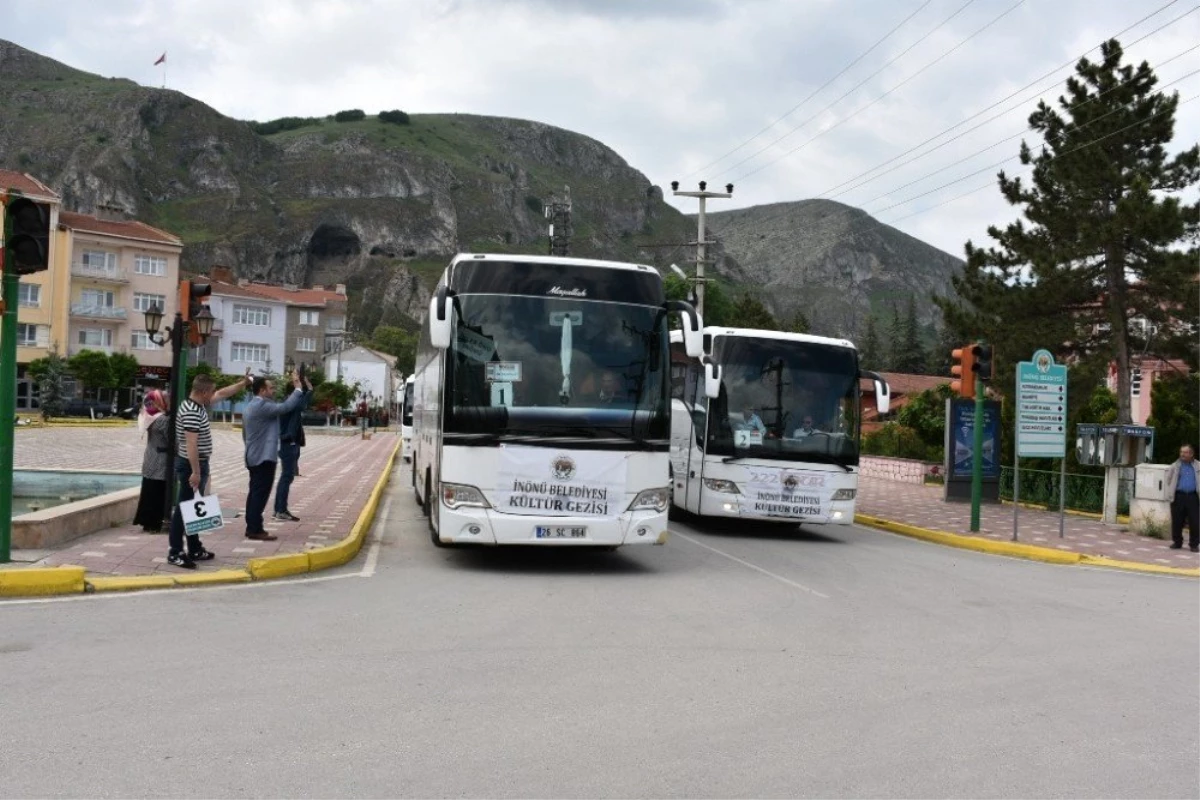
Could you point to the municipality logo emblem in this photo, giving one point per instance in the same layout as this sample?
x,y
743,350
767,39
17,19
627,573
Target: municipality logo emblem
x,y
790,482
563,467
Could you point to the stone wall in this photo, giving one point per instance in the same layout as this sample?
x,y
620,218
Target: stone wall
x,y
904,470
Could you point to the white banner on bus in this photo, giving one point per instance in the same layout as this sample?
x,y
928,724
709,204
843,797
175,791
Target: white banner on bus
x,y
789,493
554,483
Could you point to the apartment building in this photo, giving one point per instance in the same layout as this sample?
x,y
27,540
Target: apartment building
x,y
249,329
316,320
118,268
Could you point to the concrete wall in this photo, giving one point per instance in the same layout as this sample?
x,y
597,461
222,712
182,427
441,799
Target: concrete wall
x,y
903,470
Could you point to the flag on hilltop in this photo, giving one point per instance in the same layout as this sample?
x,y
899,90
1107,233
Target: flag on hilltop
x,y
161,59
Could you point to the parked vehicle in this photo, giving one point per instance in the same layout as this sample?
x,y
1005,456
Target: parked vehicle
x,y
95,409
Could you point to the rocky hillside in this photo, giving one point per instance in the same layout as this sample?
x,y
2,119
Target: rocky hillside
x,y
382,206
834,263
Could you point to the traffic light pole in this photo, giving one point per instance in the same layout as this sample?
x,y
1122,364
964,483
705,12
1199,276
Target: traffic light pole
x,y
8,397
977,458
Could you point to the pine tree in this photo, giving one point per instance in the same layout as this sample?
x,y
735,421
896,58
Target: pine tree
x,y
869,351
1102,235
51,395
799,323
910,357
895,341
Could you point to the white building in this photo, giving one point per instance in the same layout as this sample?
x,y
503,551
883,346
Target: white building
x,y
250,330
370,369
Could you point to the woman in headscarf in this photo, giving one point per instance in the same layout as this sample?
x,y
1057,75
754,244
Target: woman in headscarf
x,y
154,424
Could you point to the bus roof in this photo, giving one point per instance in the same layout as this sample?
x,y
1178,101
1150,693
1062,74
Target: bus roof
x,y
753,333
563,260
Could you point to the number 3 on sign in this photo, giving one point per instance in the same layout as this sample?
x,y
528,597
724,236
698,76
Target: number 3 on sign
x,y
201,514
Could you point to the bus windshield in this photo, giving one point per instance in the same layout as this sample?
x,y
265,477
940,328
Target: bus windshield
x,y
558,367
785,399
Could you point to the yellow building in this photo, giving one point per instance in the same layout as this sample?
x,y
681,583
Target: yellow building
x,y
105,270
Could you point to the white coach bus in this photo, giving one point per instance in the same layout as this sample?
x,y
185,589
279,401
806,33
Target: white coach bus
x,y
766,426
406,420
541,408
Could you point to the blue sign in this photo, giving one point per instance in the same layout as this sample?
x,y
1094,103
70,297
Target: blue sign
x,y
1041,407
962,429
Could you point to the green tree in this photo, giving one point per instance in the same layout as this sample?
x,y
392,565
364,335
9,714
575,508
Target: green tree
x,y
331,396
1175,414
895,337
1105,236
50,373
799,323
350,115
123,369
396,117
870,351
718,310
749,312
909,355
92,369
925,414
396,342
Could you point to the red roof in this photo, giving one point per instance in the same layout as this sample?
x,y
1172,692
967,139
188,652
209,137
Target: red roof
x,y
233,290
900,383
27,184
297,297
126,229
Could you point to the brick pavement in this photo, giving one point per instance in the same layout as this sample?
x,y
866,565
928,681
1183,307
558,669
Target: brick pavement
x,y
338,473
922,506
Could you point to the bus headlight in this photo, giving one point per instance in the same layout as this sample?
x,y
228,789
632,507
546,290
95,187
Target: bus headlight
x,y
457,495
651,500
843,494
721,485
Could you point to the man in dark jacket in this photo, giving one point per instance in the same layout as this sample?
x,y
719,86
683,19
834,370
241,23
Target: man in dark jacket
x,y
291,439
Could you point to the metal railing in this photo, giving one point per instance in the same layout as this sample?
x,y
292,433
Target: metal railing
x,y
97,312
110,274
1084,492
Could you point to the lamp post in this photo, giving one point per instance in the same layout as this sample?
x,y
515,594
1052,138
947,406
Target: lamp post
x,y
177,336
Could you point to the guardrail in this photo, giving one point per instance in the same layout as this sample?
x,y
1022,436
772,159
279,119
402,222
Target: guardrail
x,y
1084,492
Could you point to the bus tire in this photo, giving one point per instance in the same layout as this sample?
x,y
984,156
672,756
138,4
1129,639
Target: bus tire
x,y
429,504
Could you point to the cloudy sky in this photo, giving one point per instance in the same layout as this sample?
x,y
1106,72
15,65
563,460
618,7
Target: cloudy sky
x,y
788,99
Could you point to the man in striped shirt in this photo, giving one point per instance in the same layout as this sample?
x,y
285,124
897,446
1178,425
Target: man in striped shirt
x,y
194,448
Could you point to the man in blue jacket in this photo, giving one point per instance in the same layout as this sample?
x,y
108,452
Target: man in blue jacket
x,y
260,430
291,439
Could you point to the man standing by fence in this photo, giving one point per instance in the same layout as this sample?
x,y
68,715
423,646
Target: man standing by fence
x,y
1185,501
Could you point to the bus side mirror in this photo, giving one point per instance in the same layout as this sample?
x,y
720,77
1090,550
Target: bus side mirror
x,y
712,380
883,394
693,327
439,319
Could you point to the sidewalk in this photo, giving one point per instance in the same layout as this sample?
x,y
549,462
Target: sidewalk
x,y
337,475
923,507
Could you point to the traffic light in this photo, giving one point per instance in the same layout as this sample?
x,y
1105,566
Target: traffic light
x,y
983,362
1135,382
962,367
193,296
27,246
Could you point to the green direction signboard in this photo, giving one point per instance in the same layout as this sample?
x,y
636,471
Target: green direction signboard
x,y
1041,407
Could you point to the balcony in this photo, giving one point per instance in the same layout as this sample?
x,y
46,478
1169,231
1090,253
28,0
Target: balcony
x,y
88,311
98,273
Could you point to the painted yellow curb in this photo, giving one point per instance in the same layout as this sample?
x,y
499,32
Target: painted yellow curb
x,y
38,581
129,583
41,581
1015,549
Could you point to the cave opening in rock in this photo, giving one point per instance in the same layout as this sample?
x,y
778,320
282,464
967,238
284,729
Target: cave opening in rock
x,y
330,250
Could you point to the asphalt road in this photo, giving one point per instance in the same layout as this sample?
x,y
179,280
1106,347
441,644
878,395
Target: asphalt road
x,y
756,663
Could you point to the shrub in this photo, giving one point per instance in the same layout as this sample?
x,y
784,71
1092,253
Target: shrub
x,y
395,117
351,115
283,124
896,441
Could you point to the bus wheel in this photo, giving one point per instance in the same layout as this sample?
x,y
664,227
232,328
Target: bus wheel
x,y
425,497
414,474
430,503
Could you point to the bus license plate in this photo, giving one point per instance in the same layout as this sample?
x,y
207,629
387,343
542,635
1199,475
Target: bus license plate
x,y
561,532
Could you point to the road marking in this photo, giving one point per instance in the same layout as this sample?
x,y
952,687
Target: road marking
x,y
368,569
754,567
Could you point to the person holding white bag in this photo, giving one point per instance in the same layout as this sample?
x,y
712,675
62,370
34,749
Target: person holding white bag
x,y
194,448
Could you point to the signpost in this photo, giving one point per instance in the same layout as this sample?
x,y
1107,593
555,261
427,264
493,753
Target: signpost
x,y
1041,424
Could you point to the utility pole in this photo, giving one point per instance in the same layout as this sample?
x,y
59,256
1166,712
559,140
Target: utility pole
x,y
701,242
558,211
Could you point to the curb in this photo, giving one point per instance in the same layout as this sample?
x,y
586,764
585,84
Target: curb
x,y
1122,519
46,581
1016,550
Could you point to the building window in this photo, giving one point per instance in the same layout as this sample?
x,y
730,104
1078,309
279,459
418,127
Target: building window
x,y
306,344
250,353
140,340
259,316
310,318
97,298
98,259
95,337
150,265
27,335
142,301
29,295
335,324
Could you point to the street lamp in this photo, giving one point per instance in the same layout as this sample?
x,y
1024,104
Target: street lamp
x,y
177,335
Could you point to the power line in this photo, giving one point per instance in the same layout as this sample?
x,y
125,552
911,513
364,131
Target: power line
x,y
855,88
833,192
844,120
824,86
